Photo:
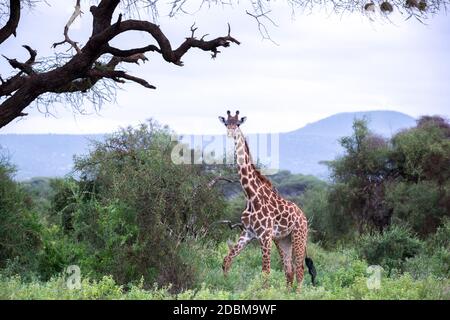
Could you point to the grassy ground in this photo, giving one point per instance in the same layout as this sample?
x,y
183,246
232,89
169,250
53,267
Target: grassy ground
x,y
341,275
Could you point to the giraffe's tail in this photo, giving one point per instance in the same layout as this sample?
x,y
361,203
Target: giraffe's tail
x,y
311,269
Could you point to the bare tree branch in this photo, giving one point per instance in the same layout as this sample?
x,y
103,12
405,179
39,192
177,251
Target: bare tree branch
x,y
117,75
72,18
24,67
103,14
82,71
165,48
126,53
12,84
11,25
134,58
261,26
101,71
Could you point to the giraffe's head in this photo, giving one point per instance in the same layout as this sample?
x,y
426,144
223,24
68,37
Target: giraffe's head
x,y
232,123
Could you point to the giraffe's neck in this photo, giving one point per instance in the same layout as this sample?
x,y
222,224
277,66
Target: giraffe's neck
x,y
246,169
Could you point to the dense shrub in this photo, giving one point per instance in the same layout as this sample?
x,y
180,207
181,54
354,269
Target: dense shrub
x,y
423,152
65,196
327,224
38,192
434,260
377,182
391,248
442,236
420,193
417,204
358,177
425,264
20,228
133,208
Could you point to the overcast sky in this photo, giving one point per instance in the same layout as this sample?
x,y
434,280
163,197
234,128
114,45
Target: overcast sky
x,y
322,65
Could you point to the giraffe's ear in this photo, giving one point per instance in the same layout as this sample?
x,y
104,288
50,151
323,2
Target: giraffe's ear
x,y
242,120
222,119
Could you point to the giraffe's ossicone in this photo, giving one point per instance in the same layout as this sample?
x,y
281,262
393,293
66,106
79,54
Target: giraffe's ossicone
x,y
267,216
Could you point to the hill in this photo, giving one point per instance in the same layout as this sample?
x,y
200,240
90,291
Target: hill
x,y
302,150
385,123
44,155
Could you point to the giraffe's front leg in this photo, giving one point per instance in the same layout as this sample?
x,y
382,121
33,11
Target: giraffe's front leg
x,y
244,239
266,246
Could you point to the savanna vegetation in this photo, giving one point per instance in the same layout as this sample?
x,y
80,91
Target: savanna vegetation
x,y
139,226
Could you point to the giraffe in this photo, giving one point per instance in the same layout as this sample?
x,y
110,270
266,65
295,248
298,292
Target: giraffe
x,y
267,216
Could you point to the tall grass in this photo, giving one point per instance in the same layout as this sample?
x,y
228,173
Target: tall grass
x,y
341,275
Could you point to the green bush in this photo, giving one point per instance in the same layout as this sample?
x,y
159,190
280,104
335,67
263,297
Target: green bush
x,y
436,264
65,197
441,239
417,204
20,228
133,208
423,152
358,176
434,260
38,193
389,249
327,224
58,251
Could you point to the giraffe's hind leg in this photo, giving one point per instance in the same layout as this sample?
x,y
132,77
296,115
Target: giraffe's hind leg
x,y
284,246
299,237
